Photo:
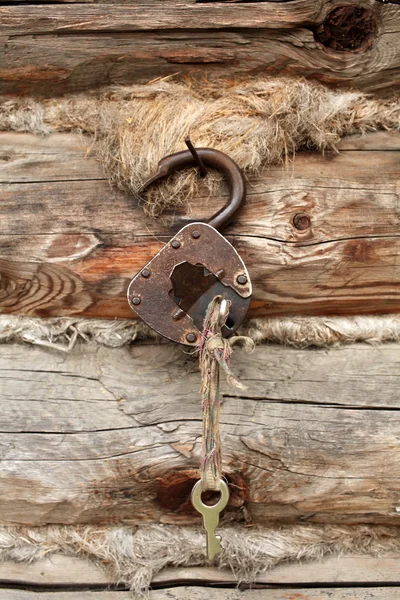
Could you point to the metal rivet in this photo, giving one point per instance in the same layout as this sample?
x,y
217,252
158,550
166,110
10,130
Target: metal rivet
x,y
301,221
191,337
175,244
145,273
195,234
178,315
136,300
242,279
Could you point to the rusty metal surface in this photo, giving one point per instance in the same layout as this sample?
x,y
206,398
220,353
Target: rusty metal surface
x,y
217,160
175,305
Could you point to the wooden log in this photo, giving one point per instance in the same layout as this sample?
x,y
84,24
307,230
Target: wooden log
x,y
74,47
100,437
148,16
319,237
198,593
61,571
57,571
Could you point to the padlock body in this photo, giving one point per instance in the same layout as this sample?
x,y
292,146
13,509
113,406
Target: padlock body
x,y
172,292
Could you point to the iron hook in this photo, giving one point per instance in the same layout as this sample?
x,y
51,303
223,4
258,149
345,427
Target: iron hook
x,y
211,158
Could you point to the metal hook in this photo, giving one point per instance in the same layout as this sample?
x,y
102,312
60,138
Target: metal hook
x,y
211,158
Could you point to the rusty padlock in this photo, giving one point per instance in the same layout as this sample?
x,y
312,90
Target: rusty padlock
x,y
171,293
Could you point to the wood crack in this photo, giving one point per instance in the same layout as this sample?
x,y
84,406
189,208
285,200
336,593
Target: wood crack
x,y
301,402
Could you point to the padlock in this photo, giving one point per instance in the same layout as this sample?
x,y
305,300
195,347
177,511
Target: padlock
x,y
171,293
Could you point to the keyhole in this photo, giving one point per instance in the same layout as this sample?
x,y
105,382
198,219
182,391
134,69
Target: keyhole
x,y
229,323
189,283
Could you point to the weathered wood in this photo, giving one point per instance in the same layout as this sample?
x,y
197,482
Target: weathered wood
x,y
67,571
160,2
337,570
176,14
85,240
57,571
198,593
78,46
12,594
90,437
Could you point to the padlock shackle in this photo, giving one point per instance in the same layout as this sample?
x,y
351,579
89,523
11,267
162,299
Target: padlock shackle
x,y
217,160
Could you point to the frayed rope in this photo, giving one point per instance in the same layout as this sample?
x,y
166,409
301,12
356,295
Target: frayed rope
x,y
215,352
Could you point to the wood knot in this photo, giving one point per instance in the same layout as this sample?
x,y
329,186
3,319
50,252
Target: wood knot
x,y
346,28
173,490
301,221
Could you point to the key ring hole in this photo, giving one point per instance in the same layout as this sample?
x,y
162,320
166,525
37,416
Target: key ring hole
x,y
210,497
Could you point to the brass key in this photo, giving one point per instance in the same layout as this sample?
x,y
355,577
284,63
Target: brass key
x,y
210,516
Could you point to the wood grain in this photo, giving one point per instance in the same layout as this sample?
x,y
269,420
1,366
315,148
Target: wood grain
x,y
79,46
198,593
57,571
61,571
70,243
176,14
160,2
89,438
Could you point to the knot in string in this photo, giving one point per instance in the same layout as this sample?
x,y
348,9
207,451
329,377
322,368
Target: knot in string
x,y
215,352
220,349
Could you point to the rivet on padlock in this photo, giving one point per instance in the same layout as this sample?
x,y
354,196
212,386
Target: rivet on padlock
x,y
172,292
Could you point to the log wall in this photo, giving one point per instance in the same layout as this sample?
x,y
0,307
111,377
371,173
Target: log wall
x,y
60,47
319,236
89,438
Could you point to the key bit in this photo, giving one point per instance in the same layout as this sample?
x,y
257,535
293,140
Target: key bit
x,y
210,516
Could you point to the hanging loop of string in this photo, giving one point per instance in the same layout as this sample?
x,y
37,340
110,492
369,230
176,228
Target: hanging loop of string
x,y
215,353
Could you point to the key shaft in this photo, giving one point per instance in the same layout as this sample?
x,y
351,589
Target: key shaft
x,y
210,516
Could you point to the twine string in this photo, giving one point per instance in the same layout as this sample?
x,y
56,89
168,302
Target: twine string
x,y
215,353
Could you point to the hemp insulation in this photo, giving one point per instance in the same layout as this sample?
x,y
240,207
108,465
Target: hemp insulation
x,y
260,122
